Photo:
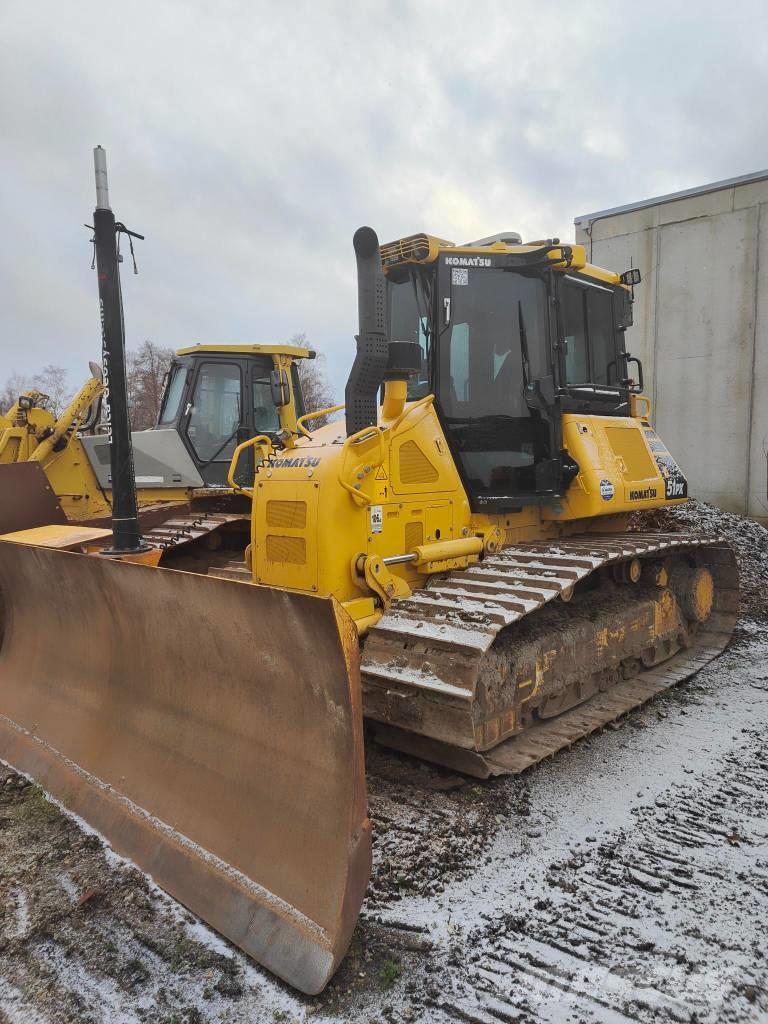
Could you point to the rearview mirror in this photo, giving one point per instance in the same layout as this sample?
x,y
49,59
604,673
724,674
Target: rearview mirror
x,y
278,382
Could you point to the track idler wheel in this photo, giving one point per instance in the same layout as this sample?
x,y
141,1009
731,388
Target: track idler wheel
x,y
695,592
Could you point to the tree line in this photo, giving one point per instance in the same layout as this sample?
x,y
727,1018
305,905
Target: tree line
x,y
146,368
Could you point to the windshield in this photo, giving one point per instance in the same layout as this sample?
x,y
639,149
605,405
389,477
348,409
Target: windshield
x,y
494,344
173,391
411,304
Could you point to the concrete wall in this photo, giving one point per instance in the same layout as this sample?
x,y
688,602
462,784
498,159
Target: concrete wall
x,y
701,330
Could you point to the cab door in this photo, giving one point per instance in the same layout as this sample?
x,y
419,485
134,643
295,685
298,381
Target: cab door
x,y
262,416
215,417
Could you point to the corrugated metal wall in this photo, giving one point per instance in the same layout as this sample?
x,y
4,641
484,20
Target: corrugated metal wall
x,y
701,330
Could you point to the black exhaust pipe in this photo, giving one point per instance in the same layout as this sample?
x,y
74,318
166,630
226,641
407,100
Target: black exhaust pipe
x,y
126,534
370,365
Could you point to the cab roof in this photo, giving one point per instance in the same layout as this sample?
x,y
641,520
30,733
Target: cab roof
x,y
296,351
423,248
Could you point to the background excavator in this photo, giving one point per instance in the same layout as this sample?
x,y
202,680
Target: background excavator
x,y
214,398
453,561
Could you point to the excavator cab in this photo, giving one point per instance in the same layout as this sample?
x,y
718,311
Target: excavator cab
x,y
507,347
218,397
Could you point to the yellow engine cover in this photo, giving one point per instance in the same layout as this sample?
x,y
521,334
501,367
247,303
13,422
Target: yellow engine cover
x,y
623,465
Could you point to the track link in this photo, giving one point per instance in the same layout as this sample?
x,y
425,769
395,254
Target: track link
x,y
178,530
422,664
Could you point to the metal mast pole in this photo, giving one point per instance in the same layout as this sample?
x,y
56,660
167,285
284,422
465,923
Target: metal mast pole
x,y
126,534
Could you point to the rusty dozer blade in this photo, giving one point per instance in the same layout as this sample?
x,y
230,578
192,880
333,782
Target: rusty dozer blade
x,y
27,499
211,730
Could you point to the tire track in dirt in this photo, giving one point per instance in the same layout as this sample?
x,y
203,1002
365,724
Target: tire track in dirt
x,y
663,922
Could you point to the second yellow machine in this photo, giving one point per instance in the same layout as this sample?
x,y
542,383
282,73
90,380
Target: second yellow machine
x,y
57,469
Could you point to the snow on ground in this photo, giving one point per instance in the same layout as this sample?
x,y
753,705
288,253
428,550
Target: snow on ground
x,y
624,880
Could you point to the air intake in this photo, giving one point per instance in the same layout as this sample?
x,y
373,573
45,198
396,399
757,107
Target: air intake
x,y
413,249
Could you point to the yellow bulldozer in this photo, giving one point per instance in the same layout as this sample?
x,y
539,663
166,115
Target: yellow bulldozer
x,y
452,562
57,469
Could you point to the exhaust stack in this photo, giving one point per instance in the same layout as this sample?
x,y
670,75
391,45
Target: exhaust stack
x,y
126,535
370,365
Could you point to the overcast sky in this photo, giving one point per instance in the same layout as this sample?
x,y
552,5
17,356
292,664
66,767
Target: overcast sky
x,y
248,141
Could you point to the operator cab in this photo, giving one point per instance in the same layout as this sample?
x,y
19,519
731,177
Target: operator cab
x,y
510,340
217,400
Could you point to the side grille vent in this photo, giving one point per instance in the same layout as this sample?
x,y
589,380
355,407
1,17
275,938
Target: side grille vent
x,y
287,514
286,549
415,467
414,536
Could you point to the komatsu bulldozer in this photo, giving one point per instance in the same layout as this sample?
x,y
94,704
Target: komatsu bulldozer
x,y
474,526
454,562
57,470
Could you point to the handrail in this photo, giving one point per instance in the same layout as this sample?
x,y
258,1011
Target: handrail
x,y
313,415
260,439
426,400
370,431
357,494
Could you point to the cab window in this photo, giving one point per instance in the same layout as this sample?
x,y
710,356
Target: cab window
x,y
602,340
173,391
216,411
575,336
410,322
495,345
588,334
266,419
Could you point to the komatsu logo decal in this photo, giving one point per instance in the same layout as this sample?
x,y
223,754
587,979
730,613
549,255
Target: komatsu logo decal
x,y
295,463
468,261
644,495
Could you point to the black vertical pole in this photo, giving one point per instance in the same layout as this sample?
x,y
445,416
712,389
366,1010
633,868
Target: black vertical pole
x,y
126,535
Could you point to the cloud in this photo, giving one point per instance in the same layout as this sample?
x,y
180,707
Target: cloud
x,y
248,140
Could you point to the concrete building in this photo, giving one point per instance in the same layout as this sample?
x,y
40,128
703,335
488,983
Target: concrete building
x,y
701,327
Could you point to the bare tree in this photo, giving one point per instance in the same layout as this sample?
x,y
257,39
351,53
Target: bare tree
x,y
15,385
52,381
145,372
315,386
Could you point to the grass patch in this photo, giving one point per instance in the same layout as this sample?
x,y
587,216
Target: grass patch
x,y
390,972
36,805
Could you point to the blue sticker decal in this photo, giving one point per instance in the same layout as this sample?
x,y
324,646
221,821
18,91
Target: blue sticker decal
x,y
606,490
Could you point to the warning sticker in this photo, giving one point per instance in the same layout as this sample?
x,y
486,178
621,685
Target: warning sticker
x,y
377,518
381,474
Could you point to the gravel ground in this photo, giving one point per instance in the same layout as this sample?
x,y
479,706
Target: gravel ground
x,y
624,880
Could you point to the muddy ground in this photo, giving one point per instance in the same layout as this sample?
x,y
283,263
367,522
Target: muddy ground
x,y
624,880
